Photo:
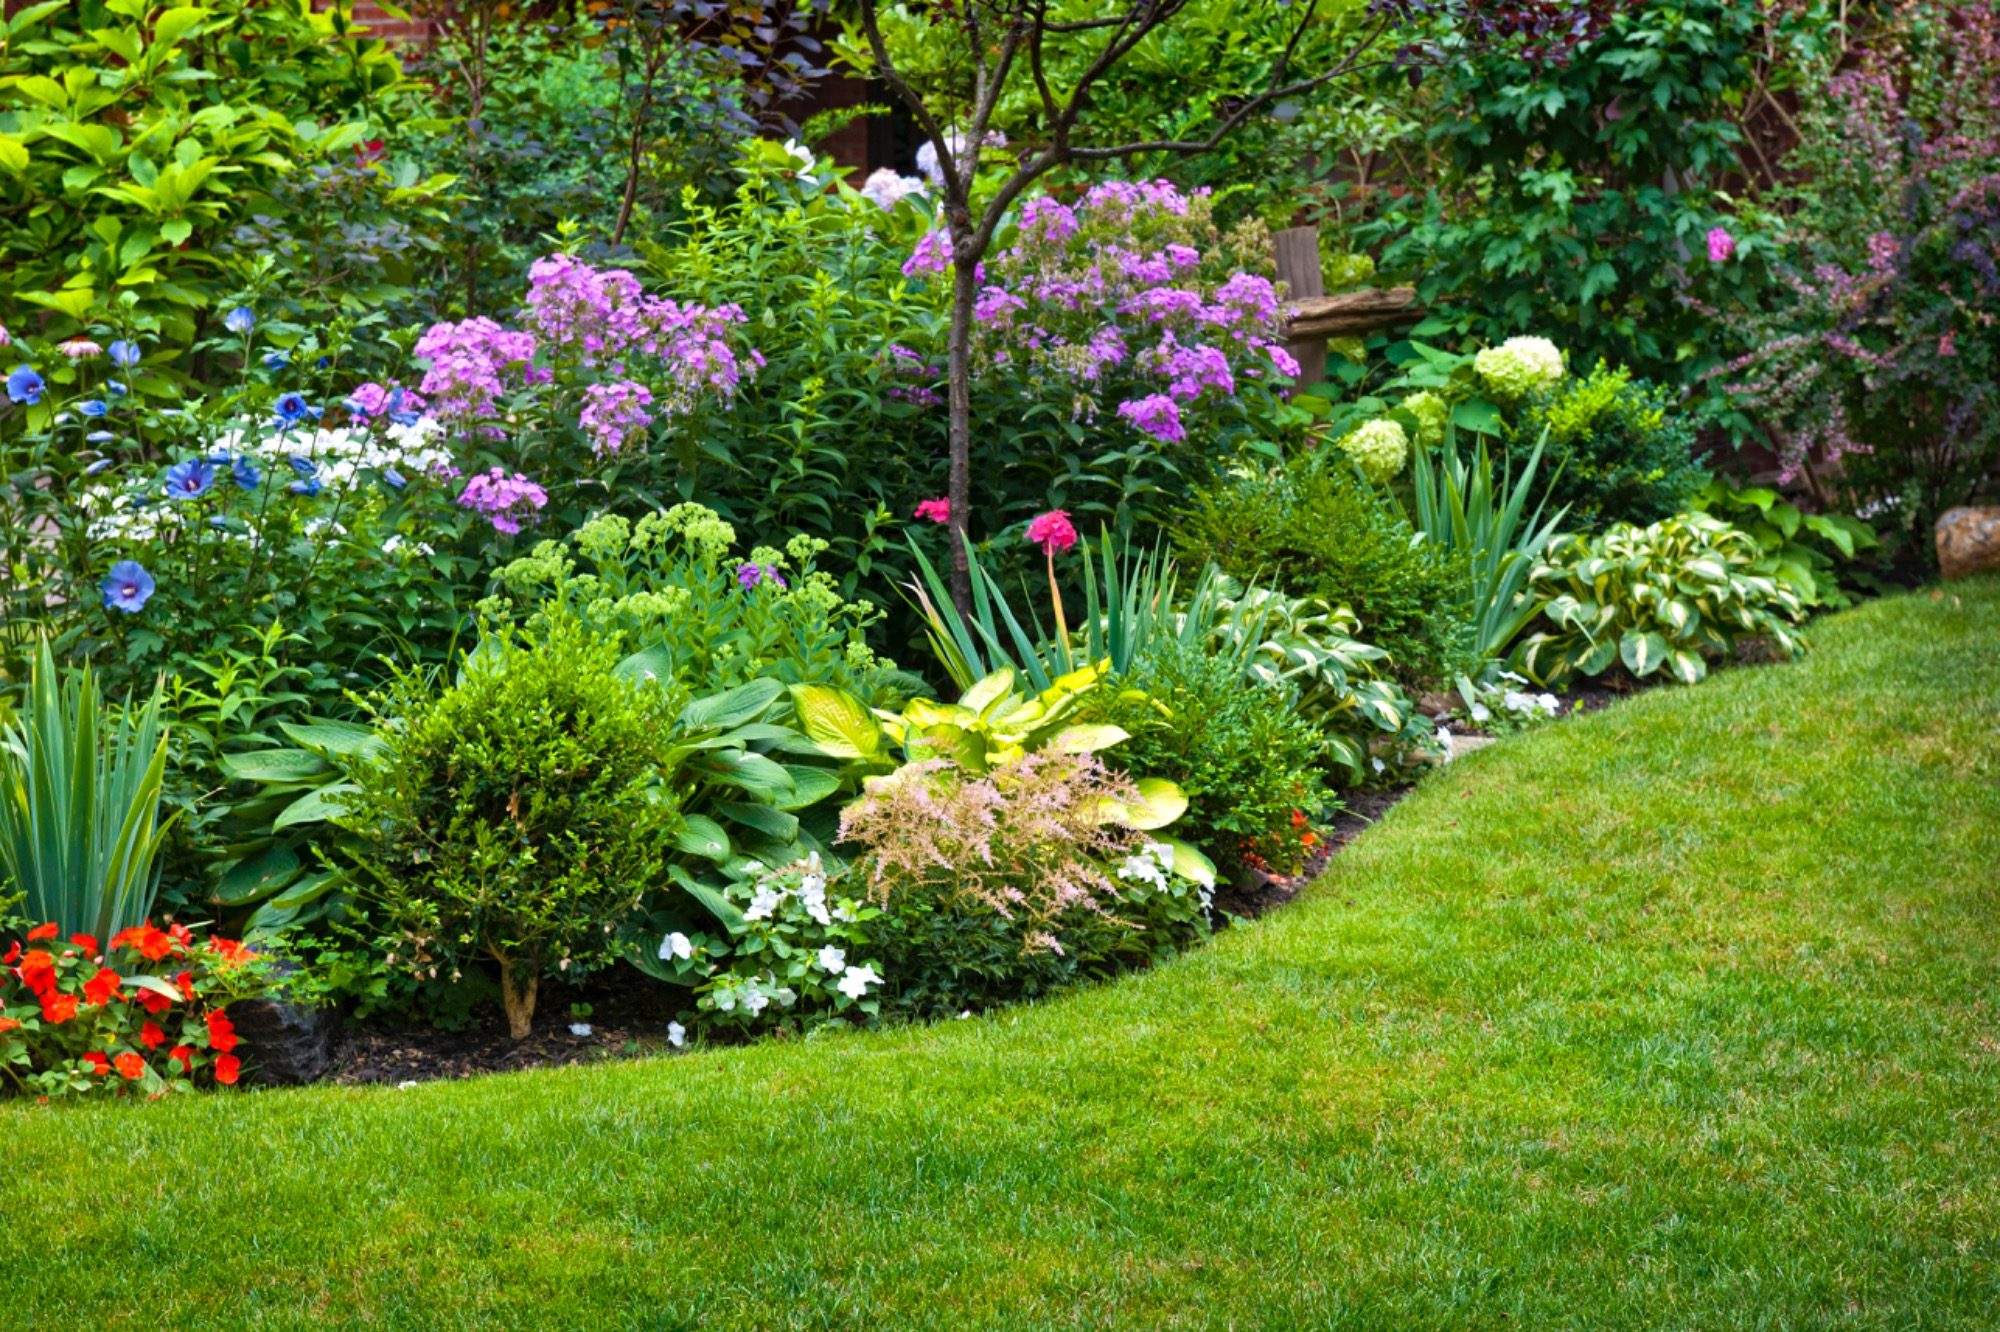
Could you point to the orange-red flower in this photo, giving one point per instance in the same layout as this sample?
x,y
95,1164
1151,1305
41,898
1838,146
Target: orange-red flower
x,y
58,1008
103,987
13,955
8,1024
185,983
38,972
154,1002
226,1067
151,1036
88,943
130,1066
97,1061
180,935
221,1032
153,944
182,1055
48,931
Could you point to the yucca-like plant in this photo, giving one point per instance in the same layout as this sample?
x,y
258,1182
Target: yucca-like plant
x,y
1462,507
80,826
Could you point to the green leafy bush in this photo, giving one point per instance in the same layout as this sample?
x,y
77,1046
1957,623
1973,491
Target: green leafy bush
x,y
1665,598
1618,450
519,815
1318,529
1808,551
1248,762
1013,883
135,138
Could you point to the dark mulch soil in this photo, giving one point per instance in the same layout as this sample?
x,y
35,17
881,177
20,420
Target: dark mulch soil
x,y
626,1019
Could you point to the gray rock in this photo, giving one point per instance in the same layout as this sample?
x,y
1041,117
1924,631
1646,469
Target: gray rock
x,y
284,1044
1968,542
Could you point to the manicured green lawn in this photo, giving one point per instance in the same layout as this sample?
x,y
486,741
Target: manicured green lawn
x,y
1684,1015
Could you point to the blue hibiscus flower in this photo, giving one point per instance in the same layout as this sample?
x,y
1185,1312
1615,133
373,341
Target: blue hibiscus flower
x,y
191,479
24,385
124,354
239,320
127,587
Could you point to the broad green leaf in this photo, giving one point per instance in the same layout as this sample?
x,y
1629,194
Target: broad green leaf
x,y
1642,652
274,765
704,837
766,819
315,806
1190,863
989,690
734,707
1160,802
809,785
346,739
1086,739
255,878
837,722
13,154
1687,667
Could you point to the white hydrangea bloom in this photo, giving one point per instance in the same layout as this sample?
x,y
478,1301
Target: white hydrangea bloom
x,y
1518,366
1379,448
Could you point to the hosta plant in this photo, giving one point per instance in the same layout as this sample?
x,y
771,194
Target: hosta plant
x,y
1805,550
1665,598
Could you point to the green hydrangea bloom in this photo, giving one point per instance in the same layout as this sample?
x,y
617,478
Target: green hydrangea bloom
x,y
1517,367
1432,413
1379,448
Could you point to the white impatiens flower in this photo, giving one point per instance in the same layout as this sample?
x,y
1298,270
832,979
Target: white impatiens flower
x,y
1548,703
833,959
677,1035
1444,742
1479,712
676,945
812,891
1517,702
1149,865
579,1029
755,1000
854,982
763,902
1379,765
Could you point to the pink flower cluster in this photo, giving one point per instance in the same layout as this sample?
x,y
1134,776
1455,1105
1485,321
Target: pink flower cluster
x,y
1052,531
1113,295
615,414
505,500
470,365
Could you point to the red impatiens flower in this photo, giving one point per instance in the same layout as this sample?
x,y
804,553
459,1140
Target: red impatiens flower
x,y
40,932
13,955
87,942
103,987
58,1008
182,1055
8,1024
38,971
151,1036
226,1067
221,1032
130,1066
180,935
230,950
97,1061
153,944
185,984
154,1002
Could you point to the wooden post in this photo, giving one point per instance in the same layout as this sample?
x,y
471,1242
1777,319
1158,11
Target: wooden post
x,y
1296,253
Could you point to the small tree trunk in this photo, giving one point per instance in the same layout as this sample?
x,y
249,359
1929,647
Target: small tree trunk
x,y
518,997
964,288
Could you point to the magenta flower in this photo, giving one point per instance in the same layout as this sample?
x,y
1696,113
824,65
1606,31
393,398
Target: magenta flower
x,y
1158,415
615,415
937,510
505,500
1052,532
1721,245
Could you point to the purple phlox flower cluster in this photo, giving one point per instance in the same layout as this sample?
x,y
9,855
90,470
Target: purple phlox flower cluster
x,y
1047,221
1165,305
1286,363
504,499
1125,198
932,255
468,361
1157,415
1192,371
615,414
602,317
996,305
1245,305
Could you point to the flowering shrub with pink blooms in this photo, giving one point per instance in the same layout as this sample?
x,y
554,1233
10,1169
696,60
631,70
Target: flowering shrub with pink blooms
x,y
1122,340
1876,371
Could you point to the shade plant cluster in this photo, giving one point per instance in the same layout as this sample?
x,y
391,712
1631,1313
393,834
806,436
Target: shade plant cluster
x,y
468,606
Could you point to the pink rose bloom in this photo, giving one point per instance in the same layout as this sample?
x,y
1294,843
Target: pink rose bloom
x,y
1052,532
937,510
1721,245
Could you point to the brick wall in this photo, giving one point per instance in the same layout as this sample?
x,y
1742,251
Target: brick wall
x,y
370,16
